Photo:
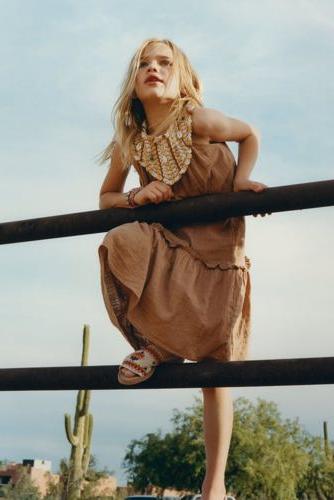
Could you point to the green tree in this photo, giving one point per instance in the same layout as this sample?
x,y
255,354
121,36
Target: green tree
x,y
175,460
267,455
318,482
270,458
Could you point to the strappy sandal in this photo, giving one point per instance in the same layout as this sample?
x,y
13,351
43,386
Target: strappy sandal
x,y
143,364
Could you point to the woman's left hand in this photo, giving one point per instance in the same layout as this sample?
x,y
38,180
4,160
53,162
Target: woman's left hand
x,y
248,185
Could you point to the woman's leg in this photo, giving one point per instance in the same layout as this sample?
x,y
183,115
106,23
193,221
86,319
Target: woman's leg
x,y
218,423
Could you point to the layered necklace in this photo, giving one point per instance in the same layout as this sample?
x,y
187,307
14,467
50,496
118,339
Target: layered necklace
x,y
166,157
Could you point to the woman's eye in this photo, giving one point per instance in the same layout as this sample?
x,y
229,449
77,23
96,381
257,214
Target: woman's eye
x,y
163,62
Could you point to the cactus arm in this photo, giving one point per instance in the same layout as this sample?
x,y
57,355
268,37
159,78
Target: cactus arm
x,y
80,403
85,346
72,439
88,430
85,402
87,442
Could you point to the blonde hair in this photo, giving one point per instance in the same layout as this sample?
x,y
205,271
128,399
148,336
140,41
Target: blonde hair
x,y
128,112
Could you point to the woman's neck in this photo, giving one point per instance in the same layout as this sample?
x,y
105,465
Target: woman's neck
x,y
156,112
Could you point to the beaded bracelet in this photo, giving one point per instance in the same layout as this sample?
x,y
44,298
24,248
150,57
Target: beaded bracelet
x,y
130,197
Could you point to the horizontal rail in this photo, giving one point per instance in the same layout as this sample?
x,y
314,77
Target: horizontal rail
x,y
195,210
278,372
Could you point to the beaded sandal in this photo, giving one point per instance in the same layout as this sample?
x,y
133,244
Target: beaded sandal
x,y
143,364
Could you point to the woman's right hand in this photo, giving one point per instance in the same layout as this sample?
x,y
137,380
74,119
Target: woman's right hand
x,y
154,192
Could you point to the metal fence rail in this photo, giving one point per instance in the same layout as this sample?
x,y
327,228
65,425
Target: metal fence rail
x,y
300,371
195,210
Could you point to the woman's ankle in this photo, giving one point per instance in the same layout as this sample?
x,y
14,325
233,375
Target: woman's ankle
x,y
213,490
213,495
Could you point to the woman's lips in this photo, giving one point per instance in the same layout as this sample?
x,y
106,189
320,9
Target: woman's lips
x,y
153,79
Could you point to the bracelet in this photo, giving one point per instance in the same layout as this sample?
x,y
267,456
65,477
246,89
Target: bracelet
x,y
131,195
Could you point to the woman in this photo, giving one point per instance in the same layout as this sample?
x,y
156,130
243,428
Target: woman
x,y
182,293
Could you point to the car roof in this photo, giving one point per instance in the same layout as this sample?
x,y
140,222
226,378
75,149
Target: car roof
x,y
133,497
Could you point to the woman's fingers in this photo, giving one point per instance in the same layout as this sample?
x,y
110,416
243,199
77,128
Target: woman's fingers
x,y
159,194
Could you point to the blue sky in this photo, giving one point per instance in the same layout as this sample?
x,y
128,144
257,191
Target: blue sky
x,y
265,62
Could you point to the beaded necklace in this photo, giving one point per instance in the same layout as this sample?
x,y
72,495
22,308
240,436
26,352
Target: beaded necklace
x,y
166,157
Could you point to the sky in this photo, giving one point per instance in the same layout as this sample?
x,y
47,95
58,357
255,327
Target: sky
x,y
268,63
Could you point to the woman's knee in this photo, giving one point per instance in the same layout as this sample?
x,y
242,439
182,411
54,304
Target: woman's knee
x,y
215,390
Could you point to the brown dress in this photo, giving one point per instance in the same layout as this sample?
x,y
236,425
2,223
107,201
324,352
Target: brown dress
x,y
186,290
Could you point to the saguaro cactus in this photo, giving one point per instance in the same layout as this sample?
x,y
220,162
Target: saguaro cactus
x,y
80,436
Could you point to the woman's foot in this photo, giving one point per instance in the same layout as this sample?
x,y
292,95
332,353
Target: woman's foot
x,y
215,496
213,491
141,364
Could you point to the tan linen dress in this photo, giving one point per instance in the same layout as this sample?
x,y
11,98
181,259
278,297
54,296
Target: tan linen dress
x,y
186,290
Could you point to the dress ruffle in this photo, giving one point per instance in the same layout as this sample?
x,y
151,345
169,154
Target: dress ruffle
x,y
174,241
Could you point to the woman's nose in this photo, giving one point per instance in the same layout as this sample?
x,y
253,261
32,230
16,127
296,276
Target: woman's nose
x,y
152,65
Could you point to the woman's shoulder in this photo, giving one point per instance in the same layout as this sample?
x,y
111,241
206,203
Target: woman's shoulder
x,y
204,121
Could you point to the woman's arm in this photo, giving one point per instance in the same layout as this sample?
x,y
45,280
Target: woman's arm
x,y
111,192
219,127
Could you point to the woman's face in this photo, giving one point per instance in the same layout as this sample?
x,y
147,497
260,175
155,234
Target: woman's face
x,y
156,78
